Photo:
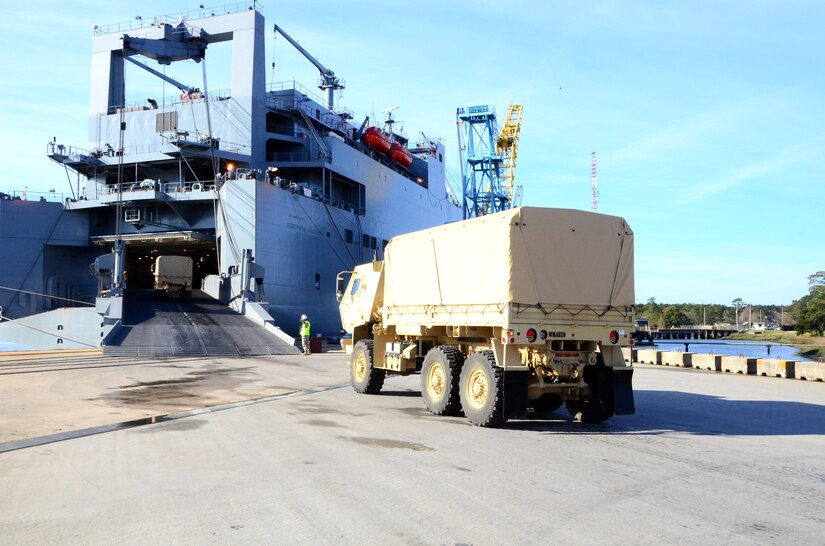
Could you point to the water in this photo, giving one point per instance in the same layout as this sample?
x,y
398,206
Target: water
x,y
755,349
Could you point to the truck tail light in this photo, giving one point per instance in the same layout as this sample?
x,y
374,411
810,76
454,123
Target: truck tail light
x,y
531,335
614,336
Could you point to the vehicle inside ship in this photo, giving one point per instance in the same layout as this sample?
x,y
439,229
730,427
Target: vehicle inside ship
x,y
139,259
140,254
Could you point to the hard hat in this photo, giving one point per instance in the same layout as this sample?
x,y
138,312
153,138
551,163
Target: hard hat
x,y
303,317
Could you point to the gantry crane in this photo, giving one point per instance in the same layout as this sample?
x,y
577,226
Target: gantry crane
x,y
488,159
507,148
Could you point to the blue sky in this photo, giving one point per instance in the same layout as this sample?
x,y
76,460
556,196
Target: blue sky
x,y
706,117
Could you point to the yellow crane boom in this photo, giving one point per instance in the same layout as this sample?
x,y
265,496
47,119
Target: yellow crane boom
x,y
507,148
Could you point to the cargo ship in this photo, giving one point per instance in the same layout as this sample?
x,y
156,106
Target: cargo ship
x,y
269,188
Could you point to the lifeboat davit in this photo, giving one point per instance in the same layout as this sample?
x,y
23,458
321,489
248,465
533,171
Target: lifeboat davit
x,y
401,155
376,140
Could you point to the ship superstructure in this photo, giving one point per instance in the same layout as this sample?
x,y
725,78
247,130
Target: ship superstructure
x,y
269,190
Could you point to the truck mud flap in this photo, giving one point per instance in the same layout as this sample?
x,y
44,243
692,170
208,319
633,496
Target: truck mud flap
x,y
515,394
623,391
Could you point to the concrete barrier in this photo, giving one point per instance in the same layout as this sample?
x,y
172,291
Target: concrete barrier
x,y
707,361
649,356
678,359
811,371
739,364
630,354
773,367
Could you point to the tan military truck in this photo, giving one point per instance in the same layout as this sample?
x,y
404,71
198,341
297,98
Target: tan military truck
x,y
527,308
173,276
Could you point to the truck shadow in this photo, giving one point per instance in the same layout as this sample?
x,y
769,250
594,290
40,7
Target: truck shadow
x,y
663,412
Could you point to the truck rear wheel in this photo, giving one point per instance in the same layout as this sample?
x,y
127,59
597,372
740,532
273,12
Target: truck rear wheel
x,y
439,380
365,378
598,406
481,389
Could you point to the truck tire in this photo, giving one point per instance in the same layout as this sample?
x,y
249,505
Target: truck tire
x,y
546,403
481,390
365,378
440,373
599,406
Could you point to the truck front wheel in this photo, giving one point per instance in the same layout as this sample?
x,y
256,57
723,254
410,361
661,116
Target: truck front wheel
x,y
439,380
598,406
365,378
481,389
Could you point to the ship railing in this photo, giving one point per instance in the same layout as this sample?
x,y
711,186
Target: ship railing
x,y
53,148
301,92
173,101
309,103
174,19
140,149
289,157
163,187
286,130
51,196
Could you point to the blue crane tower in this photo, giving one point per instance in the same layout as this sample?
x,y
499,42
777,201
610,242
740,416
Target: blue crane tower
x,y
481,162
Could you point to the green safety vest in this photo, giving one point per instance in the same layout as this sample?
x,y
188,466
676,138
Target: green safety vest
x,y
305,328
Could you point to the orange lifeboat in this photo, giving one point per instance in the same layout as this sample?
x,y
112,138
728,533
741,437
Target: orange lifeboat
x,y
376,140
401,155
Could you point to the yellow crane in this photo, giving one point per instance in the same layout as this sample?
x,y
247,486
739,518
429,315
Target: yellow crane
x,y
507,149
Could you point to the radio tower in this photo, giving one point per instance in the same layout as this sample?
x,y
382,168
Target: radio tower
x,y
594,192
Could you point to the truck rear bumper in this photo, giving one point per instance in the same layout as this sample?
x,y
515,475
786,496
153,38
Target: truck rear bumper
x,y
623,391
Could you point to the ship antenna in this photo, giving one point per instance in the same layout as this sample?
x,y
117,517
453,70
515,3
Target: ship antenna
x,y
594,190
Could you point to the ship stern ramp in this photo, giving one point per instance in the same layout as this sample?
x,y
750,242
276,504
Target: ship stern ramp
x,y
200,326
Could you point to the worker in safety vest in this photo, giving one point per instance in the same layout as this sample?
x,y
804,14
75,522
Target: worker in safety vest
x,y
305,333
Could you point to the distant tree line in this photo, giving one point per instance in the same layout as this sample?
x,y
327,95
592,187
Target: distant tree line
x,y
669,315
809,310
807,314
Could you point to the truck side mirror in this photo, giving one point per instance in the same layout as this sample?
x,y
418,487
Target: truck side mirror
x,y
339,288
340,285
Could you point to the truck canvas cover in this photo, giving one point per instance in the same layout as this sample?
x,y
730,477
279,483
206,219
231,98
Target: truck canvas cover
x,y
526,255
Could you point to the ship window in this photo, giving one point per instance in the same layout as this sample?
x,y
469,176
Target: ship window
x,y
131,215
317,281
440,158
384,243
365,240
356,286
348,235
373,243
